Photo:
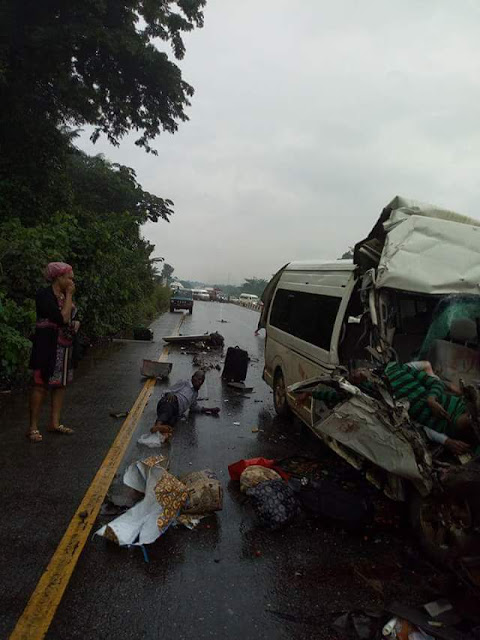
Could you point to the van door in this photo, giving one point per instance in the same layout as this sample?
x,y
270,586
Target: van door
x,y
304,326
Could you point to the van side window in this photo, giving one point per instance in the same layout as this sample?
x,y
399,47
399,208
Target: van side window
x,y
281,309
307,316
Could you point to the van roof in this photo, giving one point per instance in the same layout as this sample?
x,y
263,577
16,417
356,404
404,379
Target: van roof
x,y
321,265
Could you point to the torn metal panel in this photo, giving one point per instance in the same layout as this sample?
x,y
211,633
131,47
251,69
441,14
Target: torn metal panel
x,y
363,425
431,256
410,242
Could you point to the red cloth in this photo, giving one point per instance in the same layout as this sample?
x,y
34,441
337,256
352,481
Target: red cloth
x,y
56,269
235,470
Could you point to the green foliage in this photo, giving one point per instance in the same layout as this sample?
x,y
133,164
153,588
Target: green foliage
x,y
348,255
70,64
167,272
254,285
100,237
15,322
77,63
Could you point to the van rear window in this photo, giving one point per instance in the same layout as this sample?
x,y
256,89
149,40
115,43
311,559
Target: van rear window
x,y
307,316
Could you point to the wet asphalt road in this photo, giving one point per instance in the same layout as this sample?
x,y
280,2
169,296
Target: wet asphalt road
x,y
227,578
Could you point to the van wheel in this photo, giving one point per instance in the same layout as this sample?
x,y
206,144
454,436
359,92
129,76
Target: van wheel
x,y
172,309
190,311
280,396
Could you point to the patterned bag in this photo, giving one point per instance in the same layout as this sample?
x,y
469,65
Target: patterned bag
x,y
254,475
205,493
275,504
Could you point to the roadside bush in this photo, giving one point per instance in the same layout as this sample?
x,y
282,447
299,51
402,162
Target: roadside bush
x,y
116,280
15,324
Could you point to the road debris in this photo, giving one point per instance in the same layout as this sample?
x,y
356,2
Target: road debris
x,y
240,386
236,469
156,369
254,475
205,493
119,414
152,440
214,339
165,499
236,365
274,503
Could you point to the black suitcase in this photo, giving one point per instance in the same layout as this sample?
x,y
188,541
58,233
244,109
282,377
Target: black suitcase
x,y
236,365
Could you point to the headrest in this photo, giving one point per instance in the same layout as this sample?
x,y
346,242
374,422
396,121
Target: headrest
x,y
463,330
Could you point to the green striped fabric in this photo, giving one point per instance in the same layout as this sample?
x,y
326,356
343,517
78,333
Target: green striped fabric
x,y
416,386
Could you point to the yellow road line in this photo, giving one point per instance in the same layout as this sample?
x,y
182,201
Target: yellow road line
x,y
37,616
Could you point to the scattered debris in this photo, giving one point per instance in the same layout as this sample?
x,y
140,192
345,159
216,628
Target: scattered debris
x,y
152,516
167,501
435,608
205,493
156,369
240,386
237,424
152,440
236,365
236,469
119,414
254,475
214,339
274,503
255,430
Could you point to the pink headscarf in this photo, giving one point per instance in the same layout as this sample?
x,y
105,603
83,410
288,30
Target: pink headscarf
x,y
56,269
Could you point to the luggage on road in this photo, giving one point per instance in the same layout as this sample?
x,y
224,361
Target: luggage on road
x,y
274,503
205,493
236,365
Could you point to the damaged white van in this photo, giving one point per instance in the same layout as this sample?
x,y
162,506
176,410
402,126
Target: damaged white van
x,y
411,293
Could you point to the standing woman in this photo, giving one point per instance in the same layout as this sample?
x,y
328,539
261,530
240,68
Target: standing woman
x,y
51,358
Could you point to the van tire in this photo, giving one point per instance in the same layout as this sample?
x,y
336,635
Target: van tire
x,y
190,311
280,401
172,309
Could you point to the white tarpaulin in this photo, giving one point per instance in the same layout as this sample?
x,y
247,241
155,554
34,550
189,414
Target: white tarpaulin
x,y
149,518
430,255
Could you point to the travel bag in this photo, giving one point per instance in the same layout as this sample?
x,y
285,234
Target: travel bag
x,y
236,365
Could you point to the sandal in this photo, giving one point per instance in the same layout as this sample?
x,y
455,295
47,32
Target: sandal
x,y
61,429
34,435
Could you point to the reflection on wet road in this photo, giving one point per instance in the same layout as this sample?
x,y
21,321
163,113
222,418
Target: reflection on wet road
x,y
227,578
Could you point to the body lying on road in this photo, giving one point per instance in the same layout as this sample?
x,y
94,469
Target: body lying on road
x,y
179,399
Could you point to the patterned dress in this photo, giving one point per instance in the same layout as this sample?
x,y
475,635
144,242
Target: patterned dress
x,y
51,359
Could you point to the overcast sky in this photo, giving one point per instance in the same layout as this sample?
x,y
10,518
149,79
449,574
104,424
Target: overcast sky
x,y
308,117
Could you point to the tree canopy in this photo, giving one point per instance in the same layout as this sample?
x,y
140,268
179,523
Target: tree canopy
x,y
84,62
65,65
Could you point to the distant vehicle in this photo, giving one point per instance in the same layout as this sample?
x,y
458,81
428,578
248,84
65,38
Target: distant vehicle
x,y
182,299
214,294
248,298
200,294
176,285
221,297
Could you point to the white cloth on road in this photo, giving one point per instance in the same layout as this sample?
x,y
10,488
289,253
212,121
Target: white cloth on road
x,y
152,440
149,518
